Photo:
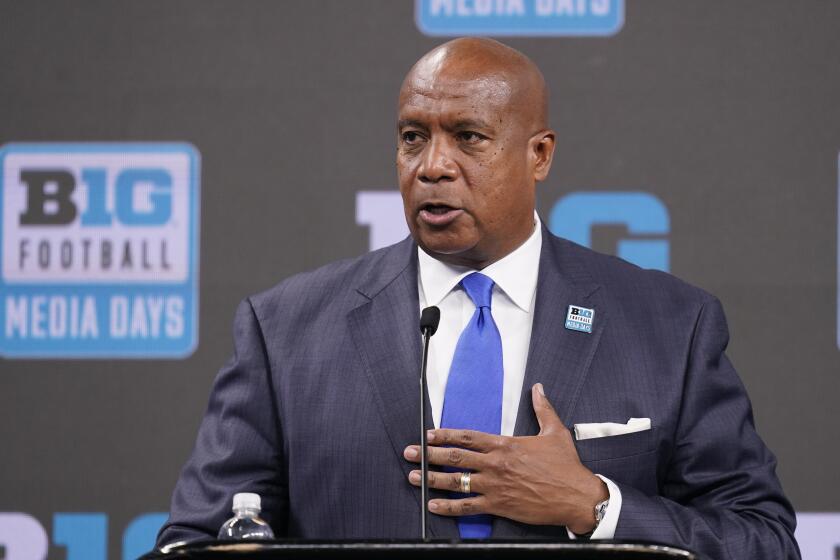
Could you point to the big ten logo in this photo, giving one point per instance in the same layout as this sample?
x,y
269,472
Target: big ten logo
x,y
99,250
519,17
83,536
632,225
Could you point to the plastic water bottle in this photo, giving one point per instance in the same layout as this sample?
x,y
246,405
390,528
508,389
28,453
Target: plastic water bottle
x,y
246,523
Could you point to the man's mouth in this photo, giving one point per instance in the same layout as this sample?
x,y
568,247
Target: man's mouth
x,y
439,214
438,209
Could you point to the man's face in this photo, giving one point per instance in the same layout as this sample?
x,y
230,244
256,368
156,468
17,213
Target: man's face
x,y
466,167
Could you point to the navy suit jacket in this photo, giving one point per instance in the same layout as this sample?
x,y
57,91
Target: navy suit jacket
x,y
320,399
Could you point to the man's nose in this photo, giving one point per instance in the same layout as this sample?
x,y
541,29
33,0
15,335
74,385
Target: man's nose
x,y
437,164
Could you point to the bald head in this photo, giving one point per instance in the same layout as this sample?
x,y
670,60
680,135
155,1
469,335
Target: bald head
x,y
499,73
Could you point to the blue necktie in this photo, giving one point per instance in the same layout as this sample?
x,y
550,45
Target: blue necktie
x,y
473,398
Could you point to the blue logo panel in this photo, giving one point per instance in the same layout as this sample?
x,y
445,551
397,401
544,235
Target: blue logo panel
x,y
99,250
519,17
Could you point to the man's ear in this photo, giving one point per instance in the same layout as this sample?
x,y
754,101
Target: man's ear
x,y
542,150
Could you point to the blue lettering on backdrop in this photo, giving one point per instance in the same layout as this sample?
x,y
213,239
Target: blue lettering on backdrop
x,y
96,213
519,17
160,199
85,535
139,537
574,216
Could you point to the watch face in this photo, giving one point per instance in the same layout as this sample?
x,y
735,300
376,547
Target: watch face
x,y
600,510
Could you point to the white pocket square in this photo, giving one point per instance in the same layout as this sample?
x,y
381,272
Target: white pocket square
x,y
605,429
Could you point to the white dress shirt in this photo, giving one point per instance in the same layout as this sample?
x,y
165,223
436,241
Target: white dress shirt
x,y
512,306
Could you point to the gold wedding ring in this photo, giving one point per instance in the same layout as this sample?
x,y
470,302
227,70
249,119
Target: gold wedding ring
x,y
465,482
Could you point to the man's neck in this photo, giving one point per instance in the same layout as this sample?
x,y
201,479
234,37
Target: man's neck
x,y
480,262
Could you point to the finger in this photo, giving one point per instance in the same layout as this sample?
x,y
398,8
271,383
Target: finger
x,y
471,439
448,481
546,415
448,457
455,508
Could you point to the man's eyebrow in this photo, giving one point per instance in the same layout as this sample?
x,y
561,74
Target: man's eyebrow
x,y
462,124
405,123
469,123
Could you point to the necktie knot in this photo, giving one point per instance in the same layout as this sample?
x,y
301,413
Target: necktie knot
x,y
479,288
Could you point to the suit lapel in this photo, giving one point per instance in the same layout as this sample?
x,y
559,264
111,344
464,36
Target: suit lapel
x,y
558,358
386,333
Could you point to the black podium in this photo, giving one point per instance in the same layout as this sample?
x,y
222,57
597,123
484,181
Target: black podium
x,y
416,550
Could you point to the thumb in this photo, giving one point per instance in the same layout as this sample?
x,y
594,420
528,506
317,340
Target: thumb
x,y
546,415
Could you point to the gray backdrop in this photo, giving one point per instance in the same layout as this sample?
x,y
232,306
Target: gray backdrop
x,y
726,111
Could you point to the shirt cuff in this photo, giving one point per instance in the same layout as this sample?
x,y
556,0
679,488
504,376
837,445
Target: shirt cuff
x,y
606,528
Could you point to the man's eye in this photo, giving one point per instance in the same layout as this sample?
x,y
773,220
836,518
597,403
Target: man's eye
x,y
411,137
470,137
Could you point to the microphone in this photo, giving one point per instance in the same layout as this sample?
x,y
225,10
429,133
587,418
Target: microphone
x,y
429,320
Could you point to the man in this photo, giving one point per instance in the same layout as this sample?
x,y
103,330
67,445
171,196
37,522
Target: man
x,y
575,395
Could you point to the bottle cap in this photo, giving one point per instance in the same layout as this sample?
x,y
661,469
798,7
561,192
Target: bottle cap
x,y
246,500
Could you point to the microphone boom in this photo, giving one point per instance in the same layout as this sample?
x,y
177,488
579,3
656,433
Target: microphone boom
x,y
429,321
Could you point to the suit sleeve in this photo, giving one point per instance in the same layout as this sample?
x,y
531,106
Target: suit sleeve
x,y
720,496
239,445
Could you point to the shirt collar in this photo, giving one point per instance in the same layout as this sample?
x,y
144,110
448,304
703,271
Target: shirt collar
x,y
515,274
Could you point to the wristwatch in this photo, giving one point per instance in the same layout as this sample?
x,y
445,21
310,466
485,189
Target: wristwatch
x,y
600,512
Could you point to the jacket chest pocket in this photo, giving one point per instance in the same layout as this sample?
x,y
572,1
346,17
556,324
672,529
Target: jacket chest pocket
x,y
626,459
616,447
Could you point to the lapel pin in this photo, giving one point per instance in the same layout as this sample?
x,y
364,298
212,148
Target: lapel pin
x,y
580,318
